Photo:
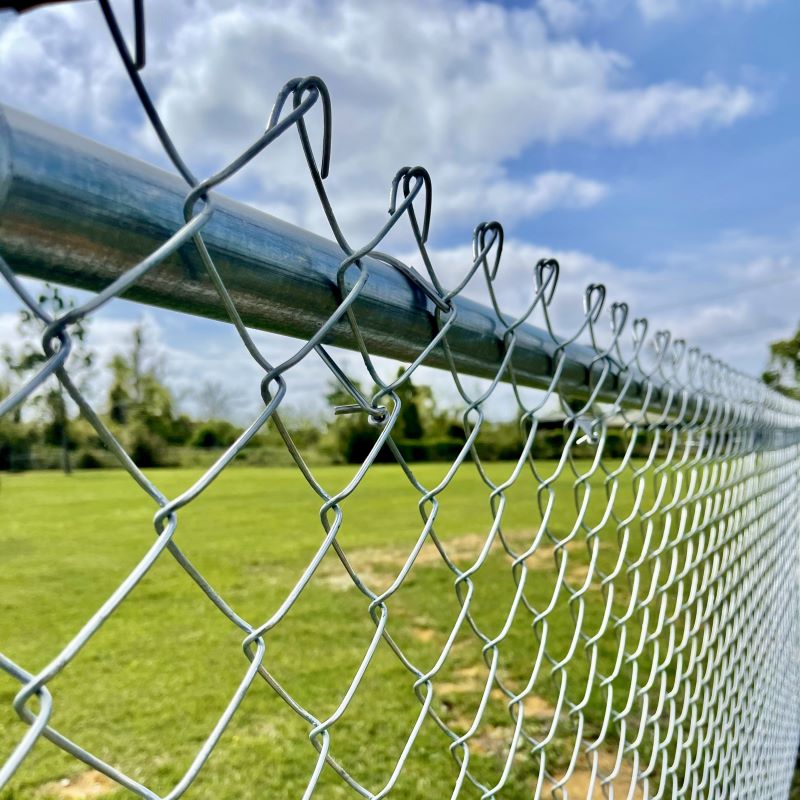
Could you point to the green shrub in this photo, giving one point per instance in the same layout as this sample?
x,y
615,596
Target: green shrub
x,y
88,459
16,440
416,450
148,450
214,434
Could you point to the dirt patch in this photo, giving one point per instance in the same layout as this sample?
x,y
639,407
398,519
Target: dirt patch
x,y
79,787
579,783
377,567
579,562
467,680
537,707
460,550
423,635
333,575
492,740
463,550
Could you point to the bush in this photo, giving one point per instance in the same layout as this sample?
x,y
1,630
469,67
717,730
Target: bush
x,y
549,444
180,430
89,460
148,450
429,449
616,444
358,444
16,440
215,433
266,457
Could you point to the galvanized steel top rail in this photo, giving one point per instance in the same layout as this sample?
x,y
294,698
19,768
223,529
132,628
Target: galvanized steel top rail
x,y
81,214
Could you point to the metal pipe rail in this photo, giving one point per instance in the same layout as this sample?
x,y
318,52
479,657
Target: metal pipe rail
x,y
78,213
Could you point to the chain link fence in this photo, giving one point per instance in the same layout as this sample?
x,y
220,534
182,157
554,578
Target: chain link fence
x,y
676,579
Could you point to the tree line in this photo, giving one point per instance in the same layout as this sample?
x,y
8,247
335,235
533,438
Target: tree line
x,y
144,415
138,407
142,412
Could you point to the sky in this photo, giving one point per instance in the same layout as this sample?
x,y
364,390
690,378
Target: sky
x,y
647,144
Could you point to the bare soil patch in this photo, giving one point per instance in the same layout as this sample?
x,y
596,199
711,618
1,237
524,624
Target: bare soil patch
x,y
79,787
377,567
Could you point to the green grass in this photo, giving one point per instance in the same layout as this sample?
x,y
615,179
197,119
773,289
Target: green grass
x,y
148,688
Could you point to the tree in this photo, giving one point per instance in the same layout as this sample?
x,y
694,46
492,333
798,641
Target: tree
x,y
22,364
139,400
136,390
214,400
417,409
352,434
783,370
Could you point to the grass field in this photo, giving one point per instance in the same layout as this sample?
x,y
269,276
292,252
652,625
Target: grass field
x,y
151,684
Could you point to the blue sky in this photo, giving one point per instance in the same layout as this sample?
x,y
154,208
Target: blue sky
x,y
687,191
648,144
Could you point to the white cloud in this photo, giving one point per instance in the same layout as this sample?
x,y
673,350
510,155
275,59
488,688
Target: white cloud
x,y
459,87
670,108
655,10
52,64
741,299
566,15
563,14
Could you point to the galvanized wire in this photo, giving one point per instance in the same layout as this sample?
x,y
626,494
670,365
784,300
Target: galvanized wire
x,y
696,653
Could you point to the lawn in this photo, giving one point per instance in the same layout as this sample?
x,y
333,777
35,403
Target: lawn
x,y
148,688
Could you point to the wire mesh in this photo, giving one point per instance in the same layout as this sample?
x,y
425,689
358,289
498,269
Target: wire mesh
x,y
676,580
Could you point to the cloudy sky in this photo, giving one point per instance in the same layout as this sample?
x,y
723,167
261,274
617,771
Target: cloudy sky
x,y
647,144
